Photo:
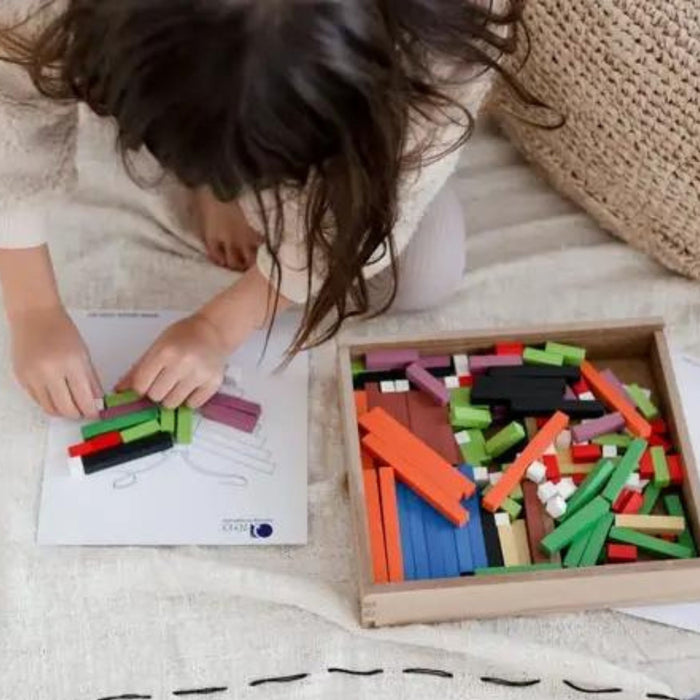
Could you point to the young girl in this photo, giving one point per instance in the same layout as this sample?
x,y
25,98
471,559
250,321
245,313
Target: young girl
x,y
311,135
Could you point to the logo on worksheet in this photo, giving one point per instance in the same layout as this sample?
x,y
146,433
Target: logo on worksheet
x,y
256,529
260,530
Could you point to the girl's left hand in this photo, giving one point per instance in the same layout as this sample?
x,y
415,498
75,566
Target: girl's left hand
x,y
185,365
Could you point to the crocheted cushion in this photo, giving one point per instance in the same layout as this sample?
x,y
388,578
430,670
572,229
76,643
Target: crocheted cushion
x,y
626,73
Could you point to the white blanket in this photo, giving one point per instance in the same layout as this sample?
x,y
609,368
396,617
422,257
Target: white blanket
x,y
99,622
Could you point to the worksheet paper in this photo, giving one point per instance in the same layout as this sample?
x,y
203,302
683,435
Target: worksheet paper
x,y
226,488
687,370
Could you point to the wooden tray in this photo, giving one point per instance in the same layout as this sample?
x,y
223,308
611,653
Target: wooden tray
x,y
637,351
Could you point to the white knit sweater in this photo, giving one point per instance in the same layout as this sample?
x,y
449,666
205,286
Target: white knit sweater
x,y
50,152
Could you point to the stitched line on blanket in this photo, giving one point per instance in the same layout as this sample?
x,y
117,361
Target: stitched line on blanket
x,y
439,673
279,679
350,672
592,691
509,684
200,691
430,672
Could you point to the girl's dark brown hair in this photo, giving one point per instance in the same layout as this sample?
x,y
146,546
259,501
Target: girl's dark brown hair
x,y
313,95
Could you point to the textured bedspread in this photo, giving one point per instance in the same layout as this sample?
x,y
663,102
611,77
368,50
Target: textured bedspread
x,y
93,623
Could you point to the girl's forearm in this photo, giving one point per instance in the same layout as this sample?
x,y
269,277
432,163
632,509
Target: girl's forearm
x,y
243,308
27,279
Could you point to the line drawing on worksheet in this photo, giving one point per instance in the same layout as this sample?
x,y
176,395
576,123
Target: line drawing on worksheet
x,y
210,439
129,476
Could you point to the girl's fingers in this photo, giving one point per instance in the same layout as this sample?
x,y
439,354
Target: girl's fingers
x,y
32,393
145,373
125,382
31,390
81,392
165,382
96,388
215,250
62,399
200,396
179,394
249,255
233,261
220,256
41,394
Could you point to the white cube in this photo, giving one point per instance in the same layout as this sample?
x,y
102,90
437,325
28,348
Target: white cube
x,y
75,467
495,477
646,392
481,476
546,491
461,363
451,382
586,396
502,519
551,450
563,441
387,387
643,483
536,472
609,451
402,385
566,488
100,404
462,437
556,506
634,483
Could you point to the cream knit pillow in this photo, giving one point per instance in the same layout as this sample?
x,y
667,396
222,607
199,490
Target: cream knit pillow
x,y
626,73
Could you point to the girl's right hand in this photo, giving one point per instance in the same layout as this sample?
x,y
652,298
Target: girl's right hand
x,y
53,364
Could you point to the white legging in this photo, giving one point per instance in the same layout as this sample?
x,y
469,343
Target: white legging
x,y
432,266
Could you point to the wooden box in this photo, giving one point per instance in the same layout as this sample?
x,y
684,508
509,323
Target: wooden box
x,y
638,352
